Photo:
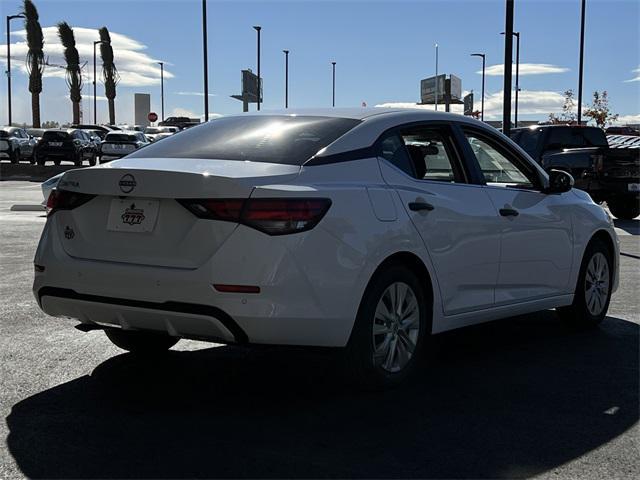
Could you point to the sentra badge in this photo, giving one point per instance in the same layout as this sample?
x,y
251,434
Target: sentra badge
x,y
127,183
133,215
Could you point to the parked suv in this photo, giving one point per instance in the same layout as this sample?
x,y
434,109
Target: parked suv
x,y
73,145
608,174
119,144
180,122
16,144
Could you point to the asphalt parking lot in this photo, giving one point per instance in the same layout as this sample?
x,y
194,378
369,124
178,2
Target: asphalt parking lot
x,y
522,397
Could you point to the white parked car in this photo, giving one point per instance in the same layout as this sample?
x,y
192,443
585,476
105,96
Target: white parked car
x,y
48,185
120,144
366,229
158,133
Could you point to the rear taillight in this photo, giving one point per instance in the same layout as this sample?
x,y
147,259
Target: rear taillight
x,y
274,216
65,200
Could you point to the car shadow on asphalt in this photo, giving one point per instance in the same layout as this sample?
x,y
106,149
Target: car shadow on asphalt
x,y
507,399
632,227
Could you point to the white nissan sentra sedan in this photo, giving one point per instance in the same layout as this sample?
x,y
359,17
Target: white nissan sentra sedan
x,y
366,229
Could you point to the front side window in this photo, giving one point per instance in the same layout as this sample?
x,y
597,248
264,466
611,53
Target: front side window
x,y
496,165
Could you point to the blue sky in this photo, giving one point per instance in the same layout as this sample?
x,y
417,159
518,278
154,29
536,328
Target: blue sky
x,y
382,49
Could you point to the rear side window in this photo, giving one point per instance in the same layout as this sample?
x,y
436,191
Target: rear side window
x,y
564,137
283,139
594,137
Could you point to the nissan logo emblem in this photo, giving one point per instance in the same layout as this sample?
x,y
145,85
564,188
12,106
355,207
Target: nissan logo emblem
x,y
127,183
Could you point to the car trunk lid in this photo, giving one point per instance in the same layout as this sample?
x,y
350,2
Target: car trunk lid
x,y
135,218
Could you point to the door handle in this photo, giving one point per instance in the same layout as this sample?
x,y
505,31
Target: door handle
x,y
508,212
419,206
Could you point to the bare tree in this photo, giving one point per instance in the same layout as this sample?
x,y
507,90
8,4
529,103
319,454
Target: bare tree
x,y
567,115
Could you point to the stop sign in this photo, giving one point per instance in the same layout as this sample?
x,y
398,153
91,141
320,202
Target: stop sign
x,y
153,116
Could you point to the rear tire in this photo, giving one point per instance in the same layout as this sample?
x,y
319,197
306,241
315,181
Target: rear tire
x,y
624,209
390,329
92,160
593,291
143,343
15,156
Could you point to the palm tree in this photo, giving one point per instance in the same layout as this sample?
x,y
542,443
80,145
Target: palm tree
x,y
35,57
74,75
109,72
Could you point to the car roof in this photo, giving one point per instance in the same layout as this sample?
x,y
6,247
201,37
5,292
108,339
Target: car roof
x,y
358,113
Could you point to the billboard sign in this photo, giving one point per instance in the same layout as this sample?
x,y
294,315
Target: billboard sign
x,y
250,86
141,108
428,89
455,87
468,104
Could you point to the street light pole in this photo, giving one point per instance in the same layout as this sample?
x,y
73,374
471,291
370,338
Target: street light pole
x,y
258,28
584,7
436,76
515,114
206,62
162,90
517,35
333,103
286,78
508,66
9,18
483,65
95,103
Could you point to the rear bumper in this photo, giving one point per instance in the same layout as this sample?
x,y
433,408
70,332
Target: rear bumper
x,y
177,319
294,306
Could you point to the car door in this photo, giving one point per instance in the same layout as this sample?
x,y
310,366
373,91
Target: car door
x,y
536,227
455,218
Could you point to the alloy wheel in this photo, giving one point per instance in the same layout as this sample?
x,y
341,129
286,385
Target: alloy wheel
x,y
597,284
396,327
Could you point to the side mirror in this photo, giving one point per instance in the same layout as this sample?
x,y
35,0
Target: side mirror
x,y
560,181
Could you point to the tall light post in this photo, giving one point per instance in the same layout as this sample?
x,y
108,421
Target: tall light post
x,y
583,9
162,91
257,29
205,62
436,45
95,103
286,78
333,66
508,67
9,18
483,56
515,113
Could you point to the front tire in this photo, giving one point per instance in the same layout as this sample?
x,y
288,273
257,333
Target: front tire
x,y
390,329
625,208
143,343
593,291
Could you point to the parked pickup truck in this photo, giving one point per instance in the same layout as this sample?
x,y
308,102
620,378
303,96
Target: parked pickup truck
x,y
608,174
180,122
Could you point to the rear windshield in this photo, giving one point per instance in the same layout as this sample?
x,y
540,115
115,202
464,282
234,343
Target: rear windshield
x,y
283,139
55,135
120,137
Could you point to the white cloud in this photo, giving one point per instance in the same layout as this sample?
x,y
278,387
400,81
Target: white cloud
x,y
194,94
530,102
135,67
628,119
525,69
183,112
637,77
